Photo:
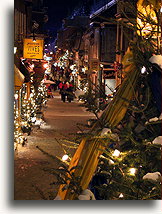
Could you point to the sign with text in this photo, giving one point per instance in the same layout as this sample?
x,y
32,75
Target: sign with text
x,y
33,49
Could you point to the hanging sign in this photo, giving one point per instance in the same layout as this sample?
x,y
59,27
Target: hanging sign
x,y
33,49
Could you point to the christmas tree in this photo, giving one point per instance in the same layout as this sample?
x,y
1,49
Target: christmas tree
x,y
130,166
121,160
28,111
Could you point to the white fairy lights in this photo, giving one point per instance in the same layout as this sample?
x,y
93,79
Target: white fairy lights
x,y
116,153
15,50
121,195
16,96
45,65
65,157
111,162
26,115
143,70
132,171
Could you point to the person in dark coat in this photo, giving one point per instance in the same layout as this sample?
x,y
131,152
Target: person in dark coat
x,y
63,90
70,95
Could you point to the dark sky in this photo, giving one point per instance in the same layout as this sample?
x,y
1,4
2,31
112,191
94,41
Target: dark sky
x,y
57,10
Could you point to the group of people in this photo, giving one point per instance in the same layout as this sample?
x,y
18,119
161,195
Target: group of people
x,y
66,90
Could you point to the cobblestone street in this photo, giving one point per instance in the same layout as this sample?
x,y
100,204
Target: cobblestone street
x,y
61,119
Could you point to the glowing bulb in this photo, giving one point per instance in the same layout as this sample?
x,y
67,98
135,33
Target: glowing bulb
x,y
116,153
16,96
143,70
31,95
33,119
132,171
111,162
15,49
45,65
65,157
121,195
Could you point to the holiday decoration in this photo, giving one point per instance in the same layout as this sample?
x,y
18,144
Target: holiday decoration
x,y
26,111
18,134
113,114
126,154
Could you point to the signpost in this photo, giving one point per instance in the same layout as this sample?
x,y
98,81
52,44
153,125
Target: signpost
x,y
33,49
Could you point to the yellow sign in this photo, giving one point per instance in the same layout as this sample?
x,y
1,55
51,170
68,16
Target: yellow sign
x,y
33,49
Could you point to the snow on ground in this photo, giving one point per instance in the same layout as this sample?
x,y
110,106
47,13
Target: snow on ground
x,y
60,121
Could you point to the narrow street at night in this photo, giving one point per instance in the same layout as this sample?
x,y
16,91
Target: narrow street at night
x,y
87,100
61,123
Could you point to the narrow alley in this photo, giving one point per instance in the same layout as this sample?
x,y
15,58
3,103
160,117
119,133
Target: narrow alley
x,y
61,119
87,99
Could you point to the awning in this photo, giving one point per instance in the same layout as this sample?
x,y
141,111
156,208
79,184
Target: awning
x,y
18,78
22,68
25,72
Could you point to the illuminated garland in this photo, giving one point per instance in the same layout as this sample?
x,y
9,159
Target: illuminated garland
x,y
25,115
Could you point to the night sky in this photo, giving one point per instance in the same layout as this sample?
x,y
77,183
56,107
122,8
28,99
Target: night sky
x,y
57,11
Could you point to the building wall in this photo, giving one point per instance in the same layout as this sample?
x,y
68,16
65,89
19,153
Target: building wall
x,y
22,22
19,20
94,48
108,44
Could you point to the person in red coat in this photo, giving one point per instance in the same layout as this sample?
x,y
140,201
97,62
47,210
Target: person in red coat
x,y
63,89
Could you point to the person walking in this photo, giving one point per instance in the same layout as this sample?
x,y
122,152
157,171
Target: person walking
x,y
70,95
49,92
60,85
63,87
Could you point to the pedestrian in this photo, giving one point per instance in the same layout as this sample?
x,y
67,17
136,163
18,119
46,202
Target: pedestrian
x,y
63,87
60,86
70,95
50,94
57,84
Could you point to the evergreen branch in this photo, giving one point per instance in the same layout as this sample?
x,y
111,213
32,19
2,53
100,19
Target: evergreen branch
x,y
61,146
49,155
70,142
72,147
